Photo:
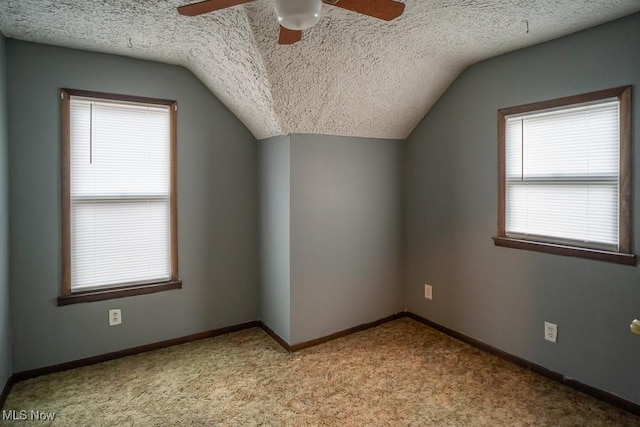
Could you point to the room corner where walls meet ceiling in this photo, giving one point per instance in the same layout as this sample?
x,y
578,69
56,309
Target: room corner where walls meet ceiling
x,y
350,75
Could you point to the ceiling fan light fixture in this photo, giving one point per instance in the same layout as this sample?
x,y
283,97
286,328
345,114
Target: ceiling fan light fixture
x,y
298,14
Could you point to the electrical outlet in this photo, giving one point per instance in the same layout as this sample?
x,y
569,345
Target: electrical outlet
x,y
115,317
550,332
428,291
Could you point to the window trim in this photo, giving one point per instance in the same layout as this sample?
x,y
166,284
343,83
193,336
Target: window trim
x,y
105,293
624,254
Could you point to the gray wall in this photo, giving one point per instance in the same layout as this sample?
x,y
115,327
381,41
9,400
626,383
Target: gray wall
x,y
217,205
275,185
502,296
345,233
5,329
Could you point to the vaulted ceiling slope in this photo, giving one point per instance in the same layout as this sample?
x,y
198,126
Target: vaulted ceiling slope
x,y
350,75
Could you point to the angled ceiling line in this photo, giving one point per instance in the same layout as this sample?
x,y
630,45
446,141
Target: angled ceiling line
x,y
252,28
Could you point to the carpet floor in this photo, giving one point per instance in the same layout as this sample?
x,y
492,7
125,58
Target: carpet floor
x,y
401,373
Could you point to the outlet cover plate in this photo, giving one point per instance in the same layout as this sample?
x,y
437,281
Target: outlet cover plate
x,y
115,317
428,292
550,332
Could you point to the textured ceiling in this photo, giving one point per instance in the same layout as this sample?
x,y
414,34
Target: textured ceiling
x,y
350,75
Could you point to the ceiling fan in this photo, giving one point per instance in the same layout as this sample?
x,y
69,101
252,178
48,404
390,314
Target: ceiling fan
x,y
295,16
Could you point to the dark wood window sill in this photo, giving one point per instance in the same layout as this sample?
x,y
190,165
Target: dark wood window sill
x,y
558,249
118,292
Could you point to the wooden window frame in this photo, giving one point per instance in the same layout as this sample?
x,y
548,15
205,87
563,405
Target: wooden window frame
x,y
110,292
624,255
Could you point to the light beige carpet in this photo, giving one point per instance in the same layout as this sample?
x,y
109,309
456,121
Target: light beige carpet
x,y
400,374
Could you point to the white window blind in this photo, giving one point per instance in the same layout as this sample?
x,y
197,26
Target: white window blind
x,y
562,175
120,218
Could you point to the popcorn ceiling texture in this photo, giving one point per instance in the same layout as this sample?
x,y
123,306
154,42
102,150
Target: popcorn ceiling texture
x,y
350,75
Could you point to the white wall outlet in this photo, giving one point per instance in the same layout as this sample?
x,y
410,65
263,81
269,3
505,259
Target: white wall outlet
x,y
550,332
428,291
115,317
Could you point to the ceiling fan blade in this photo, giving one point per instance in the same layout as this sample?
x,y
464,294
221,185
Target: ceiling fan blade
x,y
381,9
196,9
288,36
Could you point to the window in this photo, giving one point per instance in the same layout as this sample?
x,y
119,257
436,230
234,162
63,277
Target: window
x,y
119,226
565,176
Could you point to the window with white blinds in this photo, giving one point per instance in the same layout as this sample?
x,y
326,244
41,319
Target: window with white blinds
x,y
563,170
119,207
562,175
